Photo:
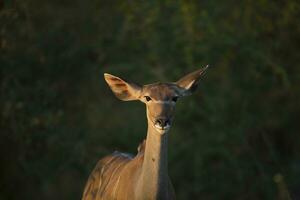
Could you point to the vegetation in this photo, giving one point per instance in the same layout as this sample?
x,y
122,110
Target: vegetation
x,y
236,138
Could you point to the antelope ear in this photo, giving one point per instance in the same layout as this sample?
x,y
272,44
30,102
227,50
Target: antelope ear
x,y
189,82
123,90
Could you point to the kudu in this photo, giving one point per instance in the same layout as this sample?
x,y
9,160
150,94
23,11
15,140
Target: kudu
x,y
121,176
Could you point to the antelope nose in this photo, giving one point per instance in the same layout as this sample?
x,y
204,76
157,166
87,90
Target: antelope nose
x,y
162,122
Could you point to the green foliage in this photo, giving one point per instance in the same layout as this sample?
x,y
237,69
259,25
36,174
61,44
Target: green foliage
x,y
236,138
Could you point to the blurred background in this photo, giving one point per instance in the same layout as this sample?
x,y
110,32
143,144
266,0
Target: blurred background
x,y
237,138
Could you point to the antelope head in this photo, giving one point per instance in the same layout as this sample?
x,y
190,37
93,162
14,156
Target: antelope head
x,y
160,98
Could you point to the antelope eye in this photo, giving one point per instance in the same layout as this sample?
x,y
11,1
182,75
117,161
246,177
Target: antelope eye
x,y
147,98
174,99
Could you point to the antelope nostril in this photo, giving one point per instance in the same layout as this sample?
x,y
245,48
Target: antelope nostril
x,y
162,122
167,122
159,122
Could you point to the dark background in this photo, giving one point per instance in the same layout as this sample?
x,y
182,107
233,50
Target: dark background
x,y
236,138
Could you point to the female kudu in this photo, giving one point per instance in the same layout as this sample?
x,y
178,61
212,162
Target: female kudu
x,y
120,176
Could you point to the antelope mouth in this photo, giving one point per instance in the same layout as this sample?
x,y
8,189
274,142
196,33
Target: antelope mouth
x,y
162,129
167,127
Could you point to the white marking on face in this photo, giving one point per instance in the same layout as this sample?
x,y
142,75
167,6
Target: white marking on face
x,y
160,130
167,127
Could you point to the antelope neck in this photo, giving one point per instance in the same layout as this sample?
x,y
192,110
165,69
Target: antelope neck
x,y
154,174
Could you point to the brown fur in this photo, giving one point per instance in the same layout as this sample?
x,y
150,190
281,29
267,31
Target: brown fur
x,y
112,177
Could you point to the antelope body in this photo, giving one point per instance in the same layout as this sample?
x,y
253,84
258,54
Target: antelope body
x,y
144,176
